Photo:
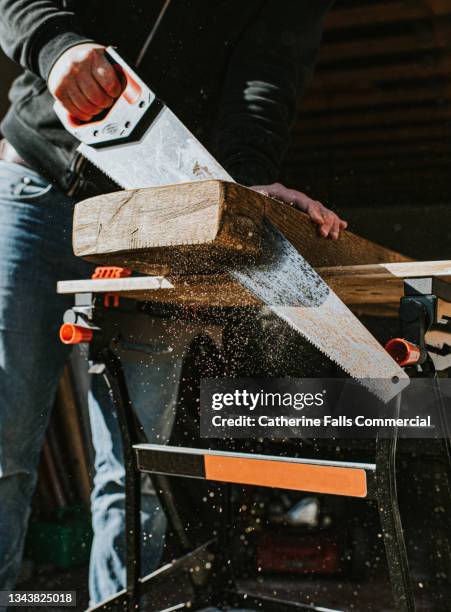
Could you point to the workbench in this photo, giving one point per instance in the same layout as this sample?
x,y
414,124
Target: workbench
x,y
114,315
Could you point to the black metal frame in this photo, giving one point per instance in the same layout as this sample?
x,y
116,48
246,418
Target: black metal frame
x,y
381,487
390,518
115,380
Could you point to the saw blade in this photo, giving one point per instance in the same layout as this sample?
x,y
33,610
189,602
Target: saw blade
x,y
284,281
168,153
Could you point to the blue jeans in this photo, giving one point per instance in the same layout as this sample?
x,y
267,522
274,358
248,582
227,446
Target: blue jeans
x,y
36,252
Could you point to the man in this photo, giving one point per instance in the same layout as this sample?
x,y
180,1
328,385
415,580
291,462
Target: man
x,y
232,71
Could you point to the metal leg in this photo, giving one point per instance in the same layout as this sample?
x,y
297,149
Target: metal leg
x,y
444,423
446,445
390,518
131,434
114,377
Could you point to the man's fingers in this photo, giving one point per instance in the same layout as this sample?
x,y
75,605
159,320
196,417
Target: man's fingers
x,y
335,229
106,76
84,81
81,101
93,92
316,215
333,226
326,227
329,223
71,108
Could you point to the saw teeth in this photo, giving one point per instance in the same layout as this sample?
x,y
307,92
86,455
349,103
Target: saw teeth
x,y
285,282
374,389
84,150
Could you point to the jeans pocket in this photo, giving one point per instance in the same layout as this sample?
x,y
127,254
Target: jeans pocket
x,y
20,184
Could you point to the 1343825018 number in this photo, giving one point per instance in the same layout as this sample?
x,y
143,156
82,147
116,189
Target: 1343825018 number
x,y
38,598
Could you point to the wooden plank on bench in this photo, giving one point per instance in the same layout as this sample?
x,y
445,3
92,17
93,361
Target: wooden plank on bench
x,y
199,227
380,283
378,286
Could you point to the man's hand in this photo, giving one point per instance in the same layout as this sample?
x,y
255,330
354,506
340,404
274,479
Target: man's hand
x,y
329,223
84,81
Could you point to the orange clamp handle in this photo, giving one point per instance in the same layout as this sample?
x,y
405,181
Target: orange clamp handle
x,y
75,334
111,272
403,352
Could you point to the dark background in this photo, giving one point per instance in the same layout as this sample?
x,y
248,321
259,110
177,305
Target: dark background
x,y
373,134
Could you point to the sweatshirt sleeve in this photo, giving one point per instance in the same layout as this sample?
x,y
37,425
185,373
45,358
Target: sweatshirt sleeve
x,y
34,33
267,72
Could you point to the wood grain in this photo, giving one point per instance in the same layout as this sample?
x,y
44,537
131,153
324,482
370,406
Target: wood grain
x,y
379,284
185,228
372,289
170,242
199,227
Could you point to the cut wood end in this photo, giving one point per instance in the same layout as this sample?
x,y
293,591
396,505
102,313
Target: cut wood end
x,y
138,219
188,227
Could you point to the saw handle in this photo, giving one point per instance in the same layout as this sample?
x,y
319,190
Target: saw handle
x,y
117,122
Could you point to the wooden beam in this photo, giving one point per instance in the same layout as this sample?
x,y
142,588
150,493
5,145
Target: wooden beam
x,y
105,227
198,227
191,228
381,283
371,289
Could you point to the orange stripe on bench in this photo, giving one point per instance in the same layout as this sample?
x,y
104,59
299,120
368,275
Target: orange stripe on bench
x,y
286,475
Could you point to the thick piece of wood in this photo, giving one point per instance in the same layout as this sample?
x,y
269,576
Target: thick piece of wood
x,y
194,227
380,284
200,227
185,239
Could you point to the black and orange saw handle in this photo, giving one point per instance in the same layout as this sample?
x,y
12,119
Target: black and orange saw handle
x,y
121,119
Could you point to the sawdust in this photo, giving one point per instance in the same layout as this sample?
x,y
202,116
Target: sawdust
x,y
282,277
289,286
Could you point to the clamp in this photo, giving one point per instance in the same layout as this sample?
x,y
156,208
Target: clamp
x,y
425,316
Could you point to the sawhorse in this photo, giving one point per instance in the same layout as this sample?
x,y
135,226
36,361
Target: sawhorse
x,y
111,340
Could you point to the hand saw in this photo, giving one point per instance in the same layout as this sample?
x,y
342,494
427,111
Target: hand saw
x,y
139,142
